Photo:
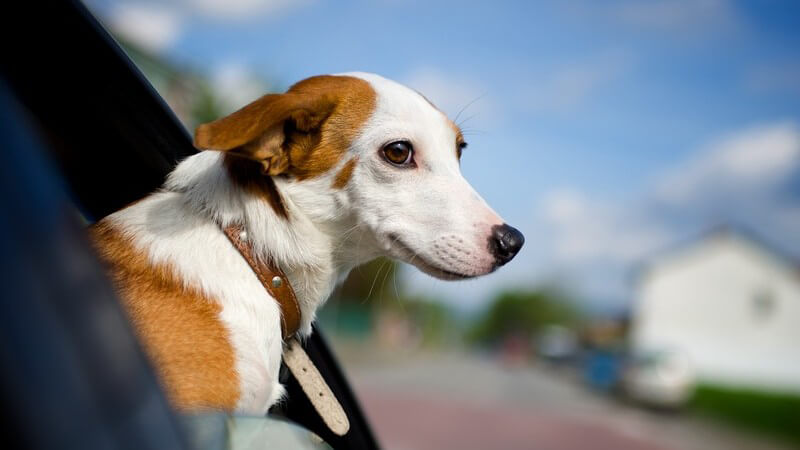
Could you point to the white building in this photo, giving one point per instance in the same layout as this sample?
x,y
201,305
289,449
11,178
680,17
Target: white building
x,y
729,305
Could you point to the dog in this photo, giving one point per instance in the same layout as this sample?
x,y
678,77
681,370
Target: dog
x,y
335,172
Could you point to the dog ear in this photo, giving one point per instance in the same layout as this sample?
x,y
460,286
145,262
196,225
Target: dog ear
x,y
261,131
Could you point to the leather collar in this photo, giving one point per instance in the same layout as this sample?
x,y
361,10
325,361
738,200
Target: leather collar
x,y
272,278
302,367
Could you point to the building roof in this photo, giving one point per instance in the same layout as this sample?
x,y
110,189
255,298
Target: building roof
x,y
724,230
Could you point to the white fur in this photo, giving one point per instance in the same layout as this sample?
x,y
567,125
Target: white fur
x,y
428,216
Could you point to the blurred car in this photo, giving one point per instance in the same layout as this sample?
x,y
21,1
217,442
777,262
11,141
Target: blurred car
x,y
602,369
661,379
557,343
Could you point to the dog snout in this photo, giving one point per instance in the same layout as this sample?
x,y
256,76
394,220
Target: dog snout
x,y
505,242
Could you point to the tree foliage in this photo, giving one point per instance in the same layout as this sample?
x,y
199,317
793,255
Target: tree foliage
x,y
435,321
522,313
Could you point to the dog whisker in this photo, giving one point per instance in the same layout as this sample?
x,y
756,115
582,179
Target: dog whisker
x,y
473,132
468,105
394,280
468,119
372,286
388,271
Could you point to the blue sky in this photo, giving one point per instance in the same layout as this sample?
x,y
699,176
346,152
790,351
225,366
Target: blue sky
x,y
605,131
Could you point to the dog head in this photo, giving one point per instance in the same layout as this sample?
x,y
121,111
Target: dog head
x,y
388,159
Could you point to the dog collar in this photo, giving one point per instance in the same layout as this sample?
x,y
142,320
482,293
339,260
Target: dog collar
x,y
307,375
272,278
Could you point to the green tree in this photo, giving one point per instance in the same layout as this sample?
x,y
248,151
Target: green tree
x,y
435,320
522,312
206,105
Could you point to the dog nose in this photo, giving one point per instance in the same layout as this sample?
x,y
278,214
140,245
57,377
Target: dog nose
x,y
505,243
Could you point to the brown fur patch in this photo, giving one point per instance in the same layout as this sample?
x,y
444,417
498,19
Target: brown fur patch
x,y
343,177
179,328
459,134
303,133
247,175
311,155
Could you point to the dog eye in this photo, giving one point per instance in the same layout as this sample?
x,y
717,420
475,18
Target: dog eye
x,y
398,153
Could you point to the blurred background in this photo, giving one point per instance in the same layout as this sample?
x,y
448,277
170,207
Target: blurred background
x,y
648,150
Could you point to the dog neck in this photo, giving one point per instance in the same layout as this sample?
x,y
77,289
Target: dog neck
x,y
314,240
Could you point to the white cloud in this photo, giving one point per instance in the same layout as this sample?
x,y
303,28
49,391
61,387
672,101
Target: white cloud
x,y
747,178
156,25
565,88
564,206
749,161
455,96
151,26
236,85
241,9
587,230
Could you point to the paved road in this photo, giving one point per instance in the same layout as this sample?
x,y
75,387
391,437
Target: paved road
x,y
465,402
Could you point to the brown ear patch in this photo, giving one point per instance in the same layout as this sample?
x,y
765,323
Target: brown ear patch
x,y
302,133
311,156
343,177
179,328
266,114
260,130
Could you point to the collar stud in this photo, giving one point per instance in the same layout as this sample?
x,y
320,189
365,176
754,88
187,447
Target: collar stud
x,y
272,278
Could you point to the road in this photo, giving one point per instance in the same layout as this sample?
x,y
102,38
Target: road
x,y
467,402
